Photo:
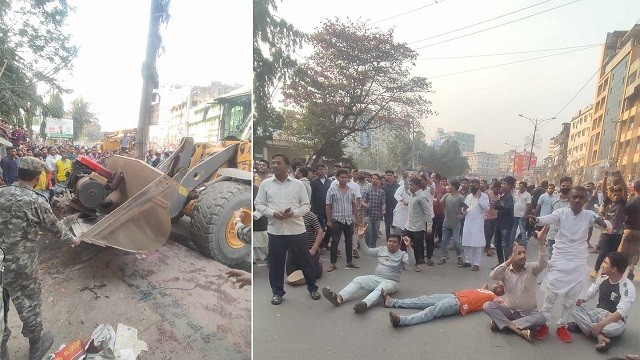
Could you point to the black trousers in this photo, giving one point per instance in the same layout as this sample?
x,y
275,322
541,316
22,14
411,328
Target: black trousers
x,y
608,243
337,230
388,220
417,239
293,264
429,238
489,230
322,218
438,220
299,246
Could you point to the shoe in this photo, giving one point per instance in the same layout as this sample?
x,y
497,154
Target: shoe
x,y
475,268
353,266
563,334
331,296
417,268
355,254
543,331
464,265
39,345
430,262
394,319
573,327
442,261
276,300
460,262
315,295
360,307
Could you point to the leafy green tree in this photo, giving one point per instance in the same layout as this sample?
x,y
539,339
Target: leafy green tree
x,y
274,39
357,79
34,49
91,133
81,116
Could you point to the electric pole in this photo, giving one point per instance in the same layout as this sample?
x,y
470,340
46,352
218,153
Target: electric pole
x,y
536,123
150,80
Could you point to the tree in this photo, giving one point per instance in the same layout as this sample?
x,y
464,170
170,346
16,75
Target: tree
x,y
91,133
36,50
273,41
81,116
357,79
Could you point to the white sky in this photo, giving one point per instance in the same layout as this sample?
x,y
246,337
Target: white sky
x,y
486,102
203,41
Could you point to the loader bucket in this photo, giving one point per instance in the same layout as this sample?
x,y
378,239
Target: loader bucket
x,y
140,218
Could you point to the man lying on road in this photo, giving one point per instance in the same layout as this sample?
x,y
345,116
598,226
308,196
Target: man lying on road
x,y
438,305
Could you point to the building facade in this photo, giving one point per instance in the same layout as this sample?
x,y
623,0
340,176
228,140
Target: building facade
x,y
558,153
466,142
579,143
482,165
612,123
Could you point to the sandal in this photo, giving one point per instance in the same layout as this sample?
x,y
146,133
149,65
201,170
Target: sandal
x,y
353,266
603,345
332,268
331,296
416,268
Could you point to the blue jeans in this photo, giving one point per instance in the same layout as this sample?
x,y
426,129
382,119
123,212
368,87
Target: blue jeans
x,y
520,222
371,234
447,234
434,306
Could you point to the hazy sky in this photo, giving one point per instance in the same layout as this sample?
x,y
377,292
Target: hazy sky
x,y
487,102
204,41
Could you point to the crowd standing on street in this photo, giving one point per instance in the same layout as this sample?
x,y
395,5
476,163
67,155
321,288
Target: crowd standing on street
x,y
472,217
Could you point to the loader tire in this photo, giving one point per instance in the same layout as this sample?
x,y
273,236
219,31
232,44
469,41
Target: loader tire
x,y
213,221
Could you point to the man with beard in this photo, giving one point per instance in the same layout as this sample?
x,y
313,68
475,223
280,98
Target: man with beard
x,y
473,238
568,269
559,202
262,172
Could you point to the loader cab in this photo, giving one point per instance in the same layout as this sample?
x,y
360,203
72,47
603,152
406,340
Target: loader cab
x,y
234,115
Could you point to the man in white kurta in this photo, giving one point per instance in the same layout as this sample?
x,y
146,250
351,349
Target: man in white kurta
x,y
401,211
568,272
473,239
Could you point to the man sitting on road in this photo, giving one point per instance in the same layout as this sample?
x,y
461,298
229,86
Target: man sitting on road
x,y
517,311
391,261
616,294
438,305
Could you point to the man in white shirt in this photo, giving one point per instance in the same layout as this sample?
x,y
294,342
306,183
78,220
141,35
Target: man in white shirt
x,y
284,201
568,269
521,208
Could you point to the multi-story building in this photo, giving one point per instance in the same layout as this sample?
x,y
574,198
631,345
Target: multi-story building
x,y
482,165
613,129
579,143
466,142
558,153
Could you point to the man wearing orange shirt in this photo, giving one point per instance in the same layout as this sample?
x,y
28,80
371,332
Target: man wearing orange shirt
x,y
438,305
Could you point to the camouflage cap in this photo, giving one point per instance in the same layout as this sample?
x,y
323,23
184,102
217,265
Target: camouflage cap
x,y
31,163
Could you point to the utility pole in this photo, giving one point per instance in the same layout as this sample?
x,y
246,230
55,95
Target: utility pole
x,y
536,123
149,75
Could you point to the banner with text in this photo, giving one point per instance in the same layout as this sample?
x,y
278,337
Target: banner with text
x,y
59,128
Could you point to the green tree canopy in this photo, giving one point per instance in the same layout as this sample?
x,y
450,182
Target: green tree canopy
x,y
274,39
358,78
81,115
34,49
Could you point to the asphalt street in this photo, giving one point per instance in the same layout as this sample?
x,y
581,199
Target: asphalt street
x,y
303,328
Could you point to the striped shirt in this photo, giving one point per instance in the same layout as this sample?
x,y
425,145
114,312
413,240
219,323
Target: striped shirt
x,y
341,204
312,224
376,200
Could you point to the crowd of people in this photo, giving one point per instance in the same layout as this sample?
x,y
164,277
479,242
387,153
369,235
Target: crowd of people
x,y
302,213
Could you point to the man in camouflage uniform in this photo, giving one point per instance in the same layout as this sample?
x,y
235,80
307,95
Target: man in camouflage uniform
x,y
23,213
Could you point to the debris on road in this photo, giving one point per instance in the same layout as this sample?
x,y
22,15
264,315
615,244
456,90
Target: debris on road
x,y
104,344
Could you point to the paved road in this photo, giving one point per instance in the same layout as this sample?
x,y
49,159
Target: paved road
x,y
180,301
303,328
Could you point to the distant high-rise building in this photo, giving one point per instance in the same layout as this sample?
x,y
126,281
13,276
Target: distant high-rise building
x,y
482,165
466,142
558,153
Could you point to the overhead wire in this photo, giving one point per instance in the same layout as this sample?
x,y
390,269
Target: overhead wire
x,y
436,2
481,22
496,26
509,63
508,53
